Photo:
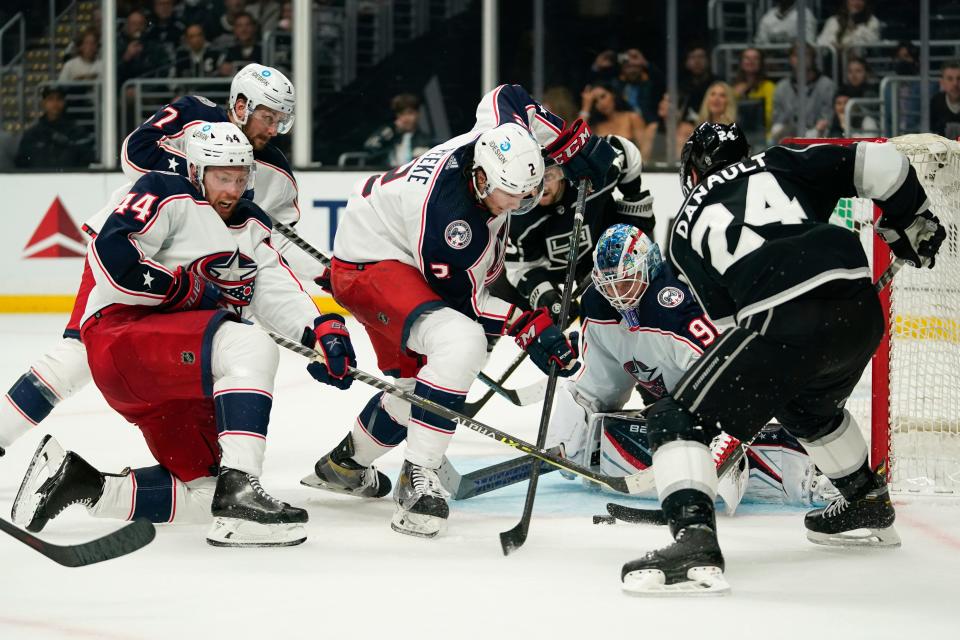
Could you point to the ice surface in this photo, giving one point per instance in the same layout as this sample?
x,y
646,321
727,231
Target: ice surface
x,y
355,576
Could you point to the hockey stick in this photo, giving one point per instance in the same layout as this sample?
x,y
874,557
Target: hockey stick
x,y
635,483
134,536
656,516
490,478
290,234
514,538
521,396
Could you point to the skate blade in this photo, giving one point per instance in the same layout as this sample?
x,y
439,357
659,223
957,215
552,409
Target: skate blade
x,y
702,581
316,482
858,538
419,525
233,532
46,461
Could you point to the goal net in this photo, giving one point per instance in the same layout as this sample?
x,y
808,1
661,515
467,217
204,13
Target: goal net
x,y
909,400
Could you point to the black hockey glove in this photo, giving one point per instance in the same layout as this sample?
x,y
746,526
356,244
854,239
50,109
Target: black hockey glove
x,y
547,295
323,280
329,336
191,292
582,155
919,243
537,335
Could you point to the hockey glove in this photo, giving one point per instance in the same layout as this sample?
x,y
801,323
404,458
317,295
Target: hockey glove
x,y
637,210
537,335
919,243
547,295
191,292
330,338
323,280
582,155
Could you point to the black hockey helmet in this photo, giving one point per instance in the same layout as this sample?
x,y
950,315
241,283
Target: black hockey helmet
x,y
710,147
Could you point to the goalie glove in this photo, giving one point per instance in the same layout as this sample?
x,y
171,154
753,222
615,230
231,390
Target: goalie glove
x,y
538,336
919,243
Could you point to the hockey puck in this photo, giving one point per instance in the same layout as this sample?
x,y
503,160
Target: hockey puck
x,y
602,519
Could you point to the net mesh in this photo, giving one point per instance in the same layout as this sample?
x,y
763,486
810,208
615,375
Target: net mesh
x,y
924,336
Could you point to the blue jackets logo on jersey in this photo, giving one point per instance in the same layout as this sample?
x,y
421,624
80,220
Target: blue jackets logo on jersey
x,y
235,274
647,377
670,297
458,234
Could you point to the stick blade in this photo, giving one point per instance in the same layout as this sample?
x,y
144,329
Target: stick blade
x,y
513,539
130,538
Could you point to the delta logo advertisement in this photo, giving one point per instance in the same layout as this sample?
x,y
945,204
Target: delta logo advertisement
x,y
57,236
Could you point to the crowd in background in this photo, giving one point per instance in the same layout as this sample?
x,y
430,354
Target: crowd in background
x,y
625,93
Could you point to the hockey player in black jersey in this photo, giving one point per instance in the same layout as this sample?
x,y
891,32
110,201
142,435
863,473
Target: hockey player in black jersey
x,y
802,320
536,259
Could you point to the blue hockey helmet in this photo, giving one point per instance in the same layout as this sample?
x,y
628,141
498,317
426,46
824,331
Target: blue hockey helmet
x,y
625,261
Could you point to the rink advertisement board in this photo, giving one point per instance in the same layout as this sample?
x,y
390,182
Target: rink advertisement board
x,y
42,249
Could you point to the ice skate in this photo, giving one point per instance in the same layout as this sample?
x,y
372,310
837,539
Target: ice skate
x,y
691,566
421,502
337,471
54,480
247,516
865,522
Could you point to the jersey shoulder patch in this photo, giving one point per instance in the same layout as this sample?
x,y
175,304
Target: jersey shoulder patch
x,y
595,307
272,156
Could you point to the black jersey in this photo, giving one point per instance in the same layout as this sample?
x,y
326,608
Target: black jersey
x,y
755,234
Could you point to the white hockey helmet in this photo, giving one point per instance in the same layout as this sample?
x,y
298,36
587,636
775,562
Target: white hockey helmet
x,y
263,87
218,144
512,161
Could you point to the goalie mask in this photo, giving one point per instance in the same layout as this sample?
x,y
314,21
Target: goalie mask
x,y
624,263
512,163
218,144
263,87
710,148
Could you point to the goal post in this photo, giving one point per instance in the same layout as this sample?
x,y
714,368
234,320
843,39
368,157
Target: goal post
x,y
912,410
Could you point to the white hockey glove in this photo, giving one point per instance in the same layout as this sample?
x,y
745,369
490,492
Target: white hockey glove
x,y
919,243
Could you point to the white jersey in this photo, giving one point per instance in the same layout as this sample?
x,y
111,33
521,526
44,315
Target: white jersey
x,y
425,215
673,334
164,223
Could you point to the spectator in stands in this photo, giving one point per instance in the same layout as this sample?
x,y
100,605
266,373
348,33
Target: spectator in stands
x,y
698,77
945,106
641,83
223,35
779,24
559,100
907,107
860,124
202,12
605,67
852,25
267,13
819,101
247,48
858,83
196,58
55,141
164,28
719,105
402,141
607,113
86,65
139,56
283,40
752,83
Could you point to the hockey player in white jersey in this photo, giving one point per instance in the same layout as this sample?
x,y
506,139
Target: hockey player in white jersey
x,y
261,103
413,256
178,266
642,327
